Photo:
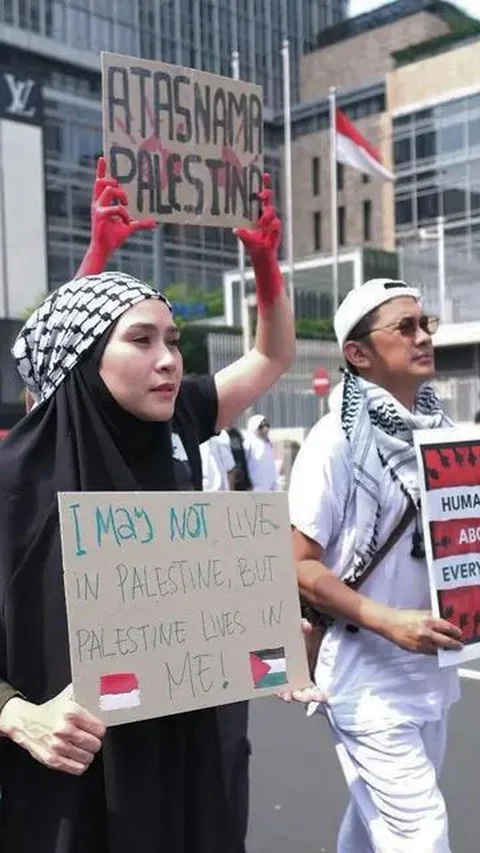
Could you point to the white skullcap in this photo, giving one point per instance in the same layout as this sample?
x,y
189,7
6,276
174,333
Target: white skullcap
x,y
361,300
254,422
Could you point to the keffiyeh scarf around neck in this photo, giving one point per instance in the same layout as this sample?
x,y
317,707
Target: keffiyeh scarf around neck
x,y
380,432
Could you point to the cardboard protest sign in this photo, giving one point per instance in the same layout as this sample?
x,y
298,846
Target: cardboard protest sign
x,y
186,145
449,462
178,601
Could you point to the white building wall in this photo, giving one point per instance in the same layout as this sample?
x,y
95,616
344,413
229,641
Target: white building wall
x,y
23,254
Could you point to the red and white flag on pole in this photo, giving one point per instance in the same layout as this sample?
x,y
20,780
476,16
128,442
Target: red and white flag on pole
x,y
354,150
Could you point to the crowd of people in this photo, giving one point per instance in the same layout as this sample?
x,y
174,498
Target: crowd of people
x,y
108,408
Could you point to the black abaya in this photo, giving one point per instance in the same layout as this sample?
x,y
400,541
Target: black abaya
x,y
157,786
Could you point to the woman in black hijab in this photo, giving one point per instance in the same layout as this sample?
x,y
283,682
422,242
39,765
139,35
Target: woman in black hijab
x,y
102,361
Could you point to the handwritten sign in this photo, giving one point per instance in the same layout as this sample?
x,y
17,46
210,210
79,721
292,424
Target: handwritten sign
x,y
449,462
178,601
186,145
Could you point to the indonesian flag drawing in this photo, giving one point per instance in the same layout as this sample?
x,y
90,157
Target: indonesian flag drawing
x,y
354,150
119,690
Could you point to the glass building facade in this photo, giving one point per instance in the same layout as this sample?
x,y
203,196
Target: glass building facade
x,y
437,168
65,37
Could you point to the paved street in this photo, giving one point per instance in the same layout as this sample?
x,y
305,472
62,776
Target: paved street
x,y
298,793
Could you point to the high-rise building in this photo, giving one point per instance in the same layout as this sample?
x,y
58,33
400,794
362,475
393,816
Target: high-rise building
x,y
56,44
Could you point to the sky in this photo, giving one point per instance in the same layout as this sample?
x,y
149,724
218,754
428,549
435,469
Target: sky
x,y
472,7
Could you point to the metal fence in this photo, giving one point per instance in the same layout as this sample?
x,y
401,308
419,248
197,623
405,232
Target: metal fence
x,y
292,403
460,396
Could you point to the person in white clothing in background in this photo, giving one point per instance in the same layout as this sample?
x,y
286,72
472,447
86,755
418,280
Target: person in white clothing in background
x,y
218,468
386,698
218,464
260,455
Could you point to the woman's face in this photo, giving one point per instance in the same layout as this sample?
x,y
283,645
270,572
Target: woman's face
x,y
142,365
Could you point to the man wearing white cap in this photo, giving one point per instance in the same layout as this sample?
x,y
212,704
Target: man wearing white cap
x,y
354,495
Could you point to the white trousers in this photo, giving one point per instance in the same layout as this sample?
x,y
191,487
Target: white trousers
x,y
396,805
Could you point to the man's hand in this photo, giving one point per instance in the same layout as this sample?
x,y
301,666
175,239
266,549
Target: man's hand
x,y
420,632
59,733
111,222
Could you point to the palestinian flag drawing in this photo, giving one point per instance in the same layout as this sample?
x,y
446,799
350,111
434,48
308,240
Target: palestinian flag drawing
x,y
119,690
268,667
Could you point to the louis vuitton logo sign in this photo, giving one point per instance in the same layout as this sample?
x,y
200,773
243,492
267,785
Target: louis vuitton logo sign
x,y
20,96
20,91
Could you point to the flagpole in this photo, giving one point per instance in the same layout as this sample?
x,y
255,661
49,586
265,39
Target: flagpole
x,y
332,97
288,171
244,308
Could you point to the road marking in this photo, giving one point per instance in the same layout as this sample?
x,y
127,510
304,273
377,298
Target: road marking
x,y
472,674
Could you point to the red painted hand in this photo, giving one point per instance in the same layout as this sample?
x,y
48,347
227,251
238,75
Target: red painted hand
x,y
262,242
112,224
266,235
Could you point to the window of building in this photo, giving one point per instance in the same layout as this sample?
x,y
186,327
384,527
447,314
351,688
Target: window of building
x,y
316,176
78,29
6,11
317,231
427,204
425,145
367,220
365,178
452,109
452,138
474,132
474,182
341,225
423,118
54,138
402,151
454,193
56,203
404,211
403,122
340,173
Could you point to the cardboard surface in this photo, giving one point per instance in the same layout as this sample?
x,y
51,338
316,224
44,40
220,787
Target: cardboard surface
x,y
186,145
449,465
178,601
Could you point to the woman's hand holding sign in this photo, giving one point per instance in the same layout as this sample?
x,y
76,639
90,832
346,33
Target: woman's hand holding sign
x,y
262,243
112,223
240,384
58,733
310,693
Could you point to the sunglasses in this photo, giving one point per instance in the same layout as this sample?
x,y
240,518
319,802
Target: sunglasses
x,y
409,326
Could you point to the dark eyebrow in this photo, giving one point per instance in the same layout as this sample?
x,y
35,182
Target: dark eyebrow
x,y
142,327
151,327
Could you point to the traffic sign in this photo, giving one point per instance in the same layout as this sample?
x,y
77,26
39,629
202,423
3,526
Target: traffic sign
x,y
321,382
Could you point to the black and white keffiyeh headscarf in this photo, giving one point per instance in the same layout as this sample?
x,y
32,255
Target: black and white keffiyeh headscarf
x,y
68,322
380,432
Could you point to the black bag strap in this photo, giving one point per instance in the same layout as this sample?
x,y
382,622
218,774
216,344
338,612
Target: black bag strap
x,y
382,552
387,546
321,620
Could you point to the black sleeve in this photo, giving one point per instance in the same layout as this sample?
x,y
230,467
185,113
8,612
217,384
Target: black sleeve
x,y
200,393
7,692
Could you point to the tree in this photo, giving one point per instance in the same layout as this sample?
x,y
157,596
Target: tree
x,y
211,301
